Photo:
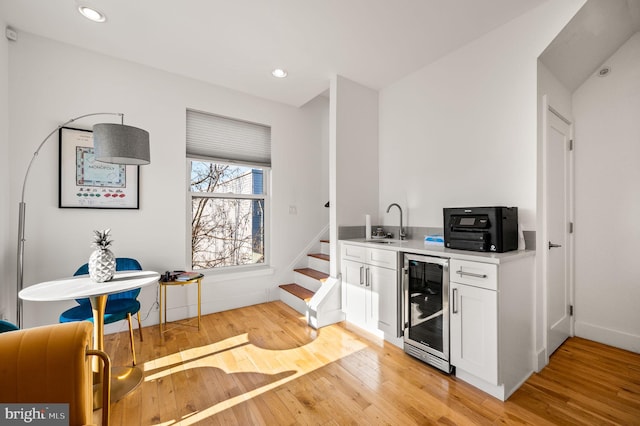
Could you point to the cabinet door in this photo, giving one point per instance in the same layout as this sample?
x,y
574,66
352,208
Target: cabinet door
x,y
474,331
477,274
384,258
383,299
354,252
353,280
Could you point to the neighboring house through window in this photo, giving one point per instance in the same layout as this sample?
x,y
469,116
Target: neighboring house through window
x,y
229,165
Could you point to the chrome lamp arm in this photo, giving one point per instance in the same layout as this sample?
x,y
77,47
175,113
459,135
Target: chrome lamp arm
x,y
35,154
22,205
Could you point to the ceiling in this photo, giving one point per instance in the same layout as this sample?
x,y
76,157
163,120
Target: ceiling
x,y
594,34
237,43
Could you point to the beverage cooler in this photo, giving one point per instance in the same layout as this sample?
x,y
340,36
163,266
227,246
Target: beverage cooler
x,y
425,309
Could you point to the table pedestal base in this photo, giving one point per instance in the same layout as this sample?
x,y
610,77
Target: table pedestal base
x,y
123,381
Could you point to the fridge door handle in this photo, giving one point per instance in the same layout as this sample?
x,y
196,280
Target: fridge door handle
x,y
405,299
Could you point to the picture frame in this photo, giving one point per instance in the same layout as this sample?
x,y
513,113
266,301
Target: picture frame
x,y
86,183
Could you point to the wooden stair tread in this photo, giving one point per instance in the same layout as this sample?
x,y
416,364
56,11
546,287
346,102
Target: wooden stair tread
x,y
321,256
320,276
298,291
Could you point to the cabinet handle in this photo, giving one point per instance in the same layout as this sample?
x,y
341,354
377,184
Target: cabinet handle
x,y
454,305
367,278
470,274
361,278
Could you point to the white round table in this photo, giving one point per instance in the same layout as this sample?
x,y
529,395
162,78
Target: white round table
x,y
123,379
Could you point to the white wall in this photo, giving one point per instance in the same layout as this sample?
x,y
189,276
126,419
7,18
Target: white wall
x,y
5,240
558,96
354,157
607,158
52,82
356,152
462,131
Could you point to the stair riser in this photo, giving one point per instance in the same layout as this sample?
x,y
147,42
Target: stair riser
x,y
318,264
324,248
307,282
291,300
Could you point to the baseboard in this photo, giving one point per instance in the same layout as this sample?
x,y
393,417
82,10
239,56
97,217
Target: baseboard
x,y
326,318
396,341
509,391
541,360
608,336
497,391
493,390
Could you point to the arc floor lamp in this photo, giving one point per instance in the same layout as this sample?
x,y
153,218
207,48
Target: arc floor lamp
x,y
113,143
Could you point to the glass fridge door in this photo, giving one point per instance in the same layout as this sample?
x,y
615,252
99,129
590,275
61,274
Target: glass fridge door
x,y
425,304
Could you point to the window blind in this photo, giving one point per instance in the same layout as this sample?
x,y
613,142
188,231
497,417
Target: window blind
x,y
224,138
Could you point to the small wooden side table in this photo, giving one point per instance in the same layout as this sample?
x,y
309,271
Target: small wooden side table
x,y
163,299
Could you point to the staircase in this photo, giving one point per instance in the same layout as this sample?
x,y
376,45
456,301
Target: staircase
x,y
315,294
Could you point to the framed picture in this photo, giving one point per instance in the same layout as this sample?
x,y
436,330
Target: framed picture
x,y
87,183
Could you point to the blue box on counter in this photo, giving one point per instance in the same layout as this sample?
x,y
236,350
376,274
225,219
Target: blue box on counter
x,y
434,240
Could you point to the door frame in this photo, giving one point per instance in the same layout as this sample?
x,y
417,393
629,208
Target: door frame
x,y
544,239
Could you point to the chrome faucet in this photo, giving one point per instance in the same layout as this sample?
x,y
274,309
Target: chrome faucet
x,y
401,233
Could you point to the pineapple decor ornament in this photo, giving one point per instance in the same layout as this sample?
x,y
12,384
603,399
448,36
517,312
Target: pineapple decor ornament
x,y
102,262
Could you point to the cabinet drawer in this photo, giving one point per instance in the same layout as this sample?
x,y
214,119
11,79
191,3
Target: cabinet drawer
x,y
478,274
384,258
352,252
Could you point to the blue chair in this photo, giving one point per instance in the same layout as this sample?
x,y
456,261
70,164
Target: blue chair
x,y
119,305
7,326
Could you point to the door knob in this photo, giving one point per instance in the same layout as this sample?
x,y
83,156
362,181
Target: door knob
x,y
551,245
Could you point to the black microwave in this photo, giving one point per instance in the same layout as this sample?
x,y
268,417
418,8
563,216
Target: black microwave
x,y
492,229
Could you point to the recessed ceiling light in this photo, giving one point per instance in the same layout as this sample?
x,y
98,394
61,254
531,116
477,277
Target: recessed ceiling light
x,y
279,73
92,14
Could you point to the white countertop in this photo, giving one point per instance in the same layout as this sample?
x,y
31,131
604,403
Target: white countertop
x,y
419,247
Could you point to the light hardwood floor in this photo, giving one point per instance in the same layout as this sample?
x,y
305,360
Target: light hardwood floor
x,y
261,365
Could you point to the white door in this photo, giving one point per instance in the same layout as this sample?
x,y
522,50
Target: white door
x,y
558,218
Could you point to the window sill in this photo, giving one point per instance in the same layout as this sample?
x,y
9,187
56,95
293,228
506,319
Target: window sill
x,y
239,273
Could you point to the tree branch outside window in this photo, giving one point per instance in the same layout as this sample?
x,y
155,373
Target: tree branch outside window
x,y
227,226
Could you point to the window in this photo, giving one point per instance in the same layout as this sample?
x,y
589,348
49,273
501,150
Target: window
x,y
228,197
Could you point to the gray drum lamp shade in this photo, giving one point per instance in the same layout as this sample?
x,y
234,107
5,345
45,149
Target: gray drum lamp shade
x,y
121,144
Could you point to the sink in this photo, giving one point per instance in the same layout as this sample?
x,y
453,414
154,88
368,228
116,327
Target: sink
x,y
384,241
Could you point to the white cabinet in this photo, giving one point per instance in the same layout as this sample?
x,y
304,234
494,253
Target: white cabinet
x,y
474,331
354,292
491,329
370,288
384,296
491,308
